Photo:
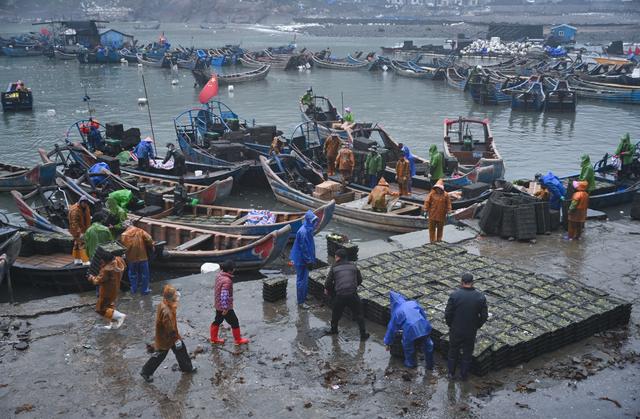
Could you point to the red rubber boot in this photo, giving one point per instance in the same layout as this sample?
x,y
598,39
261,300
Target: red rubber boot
x,y
239,340
214,334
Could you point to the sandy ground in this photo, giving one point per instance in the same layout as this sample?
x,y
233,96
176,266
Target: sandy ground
x,y
72,368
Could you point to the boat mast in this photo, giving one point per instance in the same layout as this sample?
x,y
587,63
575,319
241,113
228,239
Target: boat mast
x,y
153,135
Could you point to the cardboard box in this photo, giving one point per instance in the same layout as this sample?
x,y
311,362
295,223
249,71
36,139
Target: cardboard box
x,y
328,186
322,195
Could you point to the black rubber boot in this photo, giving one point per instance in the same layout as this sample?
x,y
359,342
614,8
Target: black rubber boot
x,y
451,366
465,366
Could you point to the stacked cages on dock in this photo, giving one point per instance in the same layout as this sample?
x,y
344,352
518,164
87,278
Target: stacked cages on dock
x,y
114,247
274,289
529,314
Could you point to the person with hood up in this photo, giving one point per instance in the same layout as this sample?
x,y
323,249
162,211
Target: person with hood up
x,y
95,139
465,313
179,161
373,166
403,175
276,146
435,164
586,173
411,319
556,189
378,196
412,164
341,284
223,302
139,245
348,116
303,255
346,162
307,98
96,234
167,336
578,210
625,154
117,214
79,221
331,148
144,152
437,205
108,279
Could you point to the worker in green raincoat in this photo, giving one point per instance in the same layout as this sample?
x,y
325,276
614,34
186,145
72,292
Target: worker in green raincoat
x,y
96,234
586,173
435,164
119,213
373,166
625,154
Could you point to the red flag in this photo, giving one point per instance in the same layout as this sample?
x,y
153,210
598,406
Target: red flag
x,y
209,90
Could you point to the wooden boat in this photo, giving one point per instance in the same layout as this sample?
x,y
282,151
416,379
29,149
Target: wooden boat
x,y
605,91
16,100
454,79
202,76
326,116
16,52
164,62
412,72
64,56
24,179
532,99
460,144
209,174
187,248
337,65
485,90
561,98
284,171
232,220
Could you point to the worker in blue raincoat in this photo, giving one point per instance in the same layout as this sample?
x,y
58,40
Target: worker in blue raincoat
x,y
409,317
144,152
96,175
412,163
556,189
303,255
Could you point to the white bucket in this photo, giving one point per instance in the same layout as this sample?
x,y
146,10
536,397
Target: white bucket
x,y
198,172
208,268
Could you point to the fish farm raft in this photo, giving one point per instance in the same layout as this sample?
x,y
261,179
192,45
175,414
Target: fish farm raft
x,y
529,313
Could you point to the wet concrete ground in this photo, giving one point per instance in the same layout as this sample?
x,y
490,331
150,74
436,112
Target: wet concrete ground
x,y
72,368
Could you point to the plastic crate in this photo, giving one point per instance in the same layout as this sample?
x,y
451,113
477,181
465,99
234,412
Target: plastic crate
x,y
543,220
526,226
508,224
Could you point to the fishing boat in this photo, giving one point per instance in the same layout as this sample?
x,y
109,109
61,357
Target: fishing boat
x,y
16,52
24,179
292,182
326,116
454,79
187,248
462,144
165,62
605,91
14,99
64,56
202,76
243,222
415,72
487,90
561,98
533,99
609,192
338,65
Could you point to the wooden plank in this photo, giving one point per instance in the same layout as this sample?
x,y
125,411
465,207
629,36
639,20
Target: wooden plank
x,y
194,242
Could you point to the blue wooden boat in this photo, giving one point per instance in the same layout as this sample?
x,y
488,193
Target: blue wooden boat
x,y
485,90
16,52
605,91
14,99
99,56
455,79
561,98
532,99
609,192
23,179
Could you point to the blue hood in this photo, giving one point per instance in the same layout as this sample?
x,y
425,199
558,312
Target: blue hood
x,y
411,158
310,219
396,300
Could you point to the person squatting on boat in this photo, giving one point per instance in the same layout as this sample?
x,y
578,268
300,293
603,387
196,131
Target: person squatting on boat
x,y
341,285
378,196
167,336
410,319
139,245
144,152
465,313
79,221
331,148
223,303
108,280
437,205
303,256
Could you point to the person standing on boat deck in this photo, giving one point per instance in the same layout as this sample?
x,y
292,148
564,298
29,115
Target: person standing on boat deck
x,y
79,221
465,313
303,255
95,139
307,99
144,152
403,174
409,317
435,164
378,196
167,336
437,205
276,146
373,166
346,162
108,279
578,210
179,162
341,284
348,119
586,173
223,302
412,165
331,148
625,154
139,245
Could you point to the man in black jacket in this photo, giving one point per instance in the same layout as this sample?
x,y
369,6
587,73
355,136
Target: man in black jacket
x,y
342,284
179,161
466,312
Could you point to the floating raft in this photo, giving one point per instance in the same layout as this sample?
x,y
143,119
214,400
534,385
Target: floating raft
x,y
529,314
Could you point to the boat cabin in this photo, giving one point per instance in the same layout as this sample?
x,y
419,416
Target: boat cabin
x,y
469,140
17,97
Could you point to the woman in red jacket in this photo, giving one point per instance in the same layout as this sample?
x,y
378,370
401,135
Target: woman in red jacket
x,y
223,300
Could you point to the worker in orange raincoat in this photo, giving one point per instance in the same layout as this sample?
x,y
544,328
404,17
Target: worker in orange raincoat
x,y
378,196
403,175
167,336
331,148
346,162
437,205
109,281
139,245
276,146
578,209
79,221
